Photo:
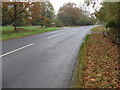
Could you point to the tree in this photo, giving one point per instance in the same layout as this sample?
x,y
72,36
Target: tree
x,y
47,22
25,13
69,14
93,2
35,13
47,13
109,13
40,12
47,10
57,22
12,11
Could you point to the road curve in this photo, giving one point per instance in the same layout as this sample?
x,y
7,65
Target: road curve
x,y
43,60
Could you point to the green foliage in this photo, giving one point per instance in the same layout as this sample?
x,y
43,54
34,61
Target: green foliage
x,y
57,22
13,12
47,22
113,24
47,9
71,15
21,21
26,13
43,15
109,13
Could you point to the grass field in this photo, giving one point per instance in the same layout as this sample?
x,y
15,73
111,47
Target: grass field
x,y
8,32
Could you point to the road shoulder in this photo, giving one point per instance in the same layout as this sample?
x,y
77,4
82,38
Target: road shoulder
x,y
97,63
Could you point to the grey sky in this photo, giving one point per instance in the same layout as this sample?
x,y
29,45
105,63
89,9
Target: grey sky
x,y
58,3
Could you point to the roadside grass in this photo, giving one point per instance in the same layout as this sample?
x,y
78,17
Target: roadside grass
x,y
71,26
78,74
99,29
8,32
98,63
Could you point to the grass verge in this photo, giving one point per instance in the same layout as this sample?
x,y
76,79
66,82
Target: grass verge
x,y
77,79
99,29
98,63
71,26
8,33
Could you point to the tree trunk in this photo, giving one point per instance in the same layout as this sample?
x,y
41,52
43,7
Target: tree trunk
x,y
15,15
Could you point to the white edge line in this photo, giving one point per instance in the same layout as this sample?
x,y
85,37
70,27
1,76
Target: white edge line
x,y
54,35
16,50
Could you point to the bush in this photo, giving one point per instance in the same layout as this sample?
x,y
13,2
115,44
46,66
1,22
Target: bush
x,y
47,22
58,23
114,30
113,24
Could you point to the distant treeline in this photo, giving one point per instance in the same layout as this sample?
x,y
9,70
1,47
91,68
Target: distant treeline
x,y
26,13
70,15
43,14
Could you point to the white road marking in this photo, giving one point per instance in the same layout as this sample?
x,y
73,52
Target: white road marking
x,y
16,50
54,35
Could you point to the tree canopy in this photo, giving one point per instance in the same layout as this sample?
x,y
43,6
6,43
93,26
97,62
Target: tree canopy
x,y
70,14
26,13
109,14
13,11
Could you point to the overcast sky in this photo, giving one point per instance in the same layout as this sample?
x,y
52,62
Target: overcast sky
x,y
59,3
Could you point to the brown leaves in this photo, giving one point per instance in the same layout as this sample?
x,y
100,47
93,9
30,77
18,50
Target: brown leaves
x,y
93,80
102,63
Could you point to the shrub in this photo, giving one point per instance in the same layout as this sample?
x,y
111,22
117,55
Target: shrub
x,y
58,23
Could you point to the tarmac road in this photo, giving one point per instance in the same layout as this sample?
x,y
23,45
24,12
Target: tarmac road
x,y
42,61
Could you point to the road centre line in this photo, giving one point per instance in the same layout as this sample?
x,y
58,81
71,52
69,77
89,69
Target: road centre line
x,y
26,46
54,35
16,50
